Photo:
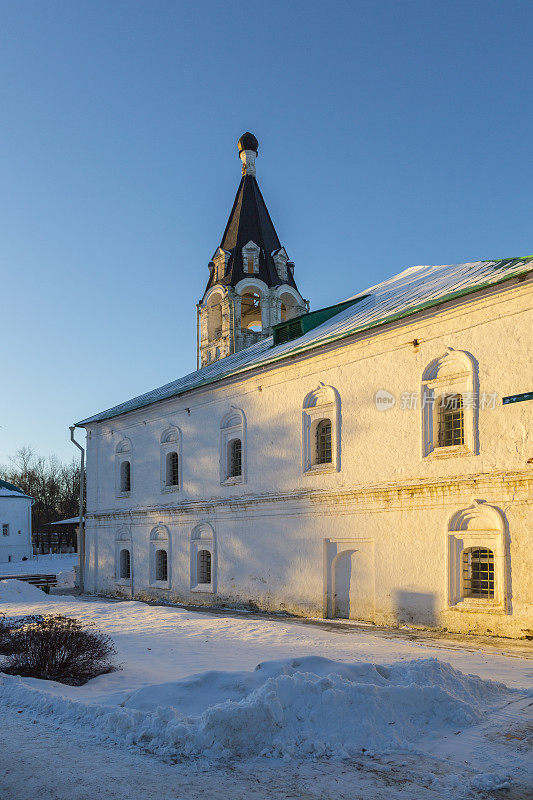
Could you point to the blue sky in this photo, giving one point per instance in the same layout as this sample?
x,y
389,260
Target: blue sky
x,y
390,134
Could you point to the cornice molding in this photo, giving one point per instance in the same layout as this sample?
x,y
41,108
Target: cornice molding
x,y
516,487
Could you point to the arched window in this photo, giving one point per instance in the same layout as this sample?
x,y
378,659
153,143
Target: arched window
x,y
451,420
320,430
251,311
171,459
160,557
172,469
161,565
203,558
123,551
289,307
125,565
204,566
215,319
233,447
323,442
123,468
450,406
125,477
234,458
478,573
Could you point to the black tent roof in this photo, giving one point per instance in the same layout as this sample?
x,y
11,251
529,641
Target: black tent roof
x,y
250,221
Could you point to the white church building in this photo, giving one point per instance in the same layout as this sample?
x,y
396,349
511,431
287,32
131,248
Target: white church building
x,y
372,460
15,523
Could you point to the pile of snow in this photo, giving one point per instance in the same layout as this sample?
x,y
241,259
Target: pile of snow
x,y
13,591
308,707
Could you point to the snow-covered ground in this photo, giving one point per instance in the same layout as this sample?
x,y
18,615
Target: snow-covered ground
x,y
329,713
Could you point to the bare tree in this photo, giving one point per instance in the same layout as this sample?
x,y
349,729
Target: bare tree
x,y
54,485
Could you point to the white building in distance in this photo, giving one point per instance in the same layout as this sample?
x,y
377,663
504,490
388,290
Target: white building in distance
x,y
371,460
15,523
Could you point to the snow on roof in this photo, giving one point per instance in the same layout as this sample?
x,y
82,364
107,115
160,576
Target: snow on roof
x,y
70,521
9,490
412,290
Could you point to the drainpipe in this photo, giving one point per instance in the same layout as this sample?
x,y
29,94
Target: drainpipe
x,y
81,529
197,335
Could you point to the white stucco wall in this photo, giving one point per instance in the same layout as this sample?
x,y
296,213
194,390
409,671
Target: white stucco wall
x,y
277,536
16,512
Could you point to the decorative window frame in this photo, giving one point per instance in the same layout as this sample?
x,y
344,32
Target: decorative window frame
x,y
232,426
281,259
322,403
250,250
170,442
220,260
478,526
203,538
160,540
454,372
123,542
123,452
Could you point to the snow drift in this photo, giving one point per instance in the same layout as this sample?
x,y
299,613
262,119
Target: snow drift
x,y
306,707
14,591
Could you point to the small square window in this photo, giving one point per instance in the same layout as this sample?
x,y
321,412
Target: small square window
x,y
5,529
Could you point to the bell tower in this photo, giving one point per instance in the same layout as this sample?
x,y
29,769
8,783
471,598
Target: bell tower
x,y
251,284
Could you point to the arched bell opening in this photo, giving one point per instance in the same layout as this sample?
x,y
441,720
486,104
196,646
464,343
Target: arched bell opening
x,y
251,311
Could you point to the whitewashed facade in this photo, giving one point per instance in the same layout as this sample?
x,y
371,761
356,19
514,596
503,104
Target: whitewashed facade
x,y
215,489
15,523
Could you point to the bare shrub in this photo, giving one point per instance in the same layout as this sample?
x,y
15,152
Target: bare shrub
x,y
8,625
58,648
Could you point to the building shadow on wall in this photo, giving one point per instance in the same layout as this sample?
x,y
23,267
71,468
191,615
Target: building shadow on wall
x,y
418,608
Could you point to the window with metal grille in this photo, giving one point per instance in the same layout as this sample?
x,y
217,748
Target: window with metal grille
x,y
161,565
125,476
234,458
451,421
204,566
478,573
173,475
323,442
5,529
125,564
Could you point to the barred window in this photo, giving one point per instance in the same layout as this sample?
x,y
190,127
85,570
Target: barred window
x,y
478,573
125,564
161,565
172,477
125,476
451,421
204,566
323,442
234,458
5,529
